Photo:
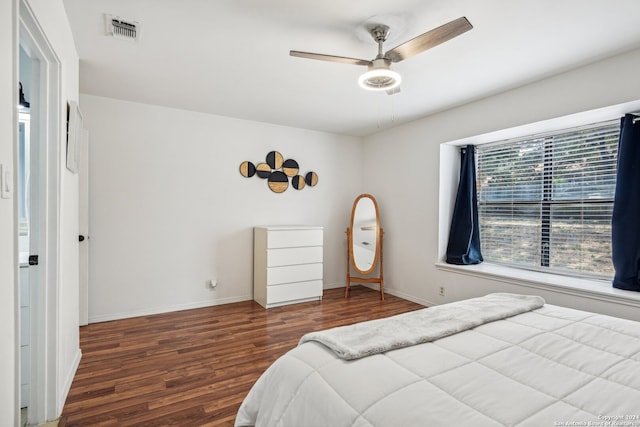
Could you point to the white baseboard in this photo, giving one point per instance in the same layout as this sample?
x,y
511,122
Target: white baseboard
x,y
394,292
408,297
166,309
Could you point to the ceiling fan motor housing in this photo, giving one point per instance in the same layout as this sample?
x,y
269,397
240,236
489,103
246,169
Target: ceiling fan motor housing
x,y
380,76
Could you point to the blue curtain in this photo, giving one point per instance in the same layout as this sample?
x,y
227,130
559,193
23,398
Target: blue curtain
x,y
625,223
464,235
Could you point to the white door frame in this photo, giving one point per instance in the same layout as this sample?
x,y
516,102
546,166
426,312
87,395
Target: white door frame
x,y
83,205
43,399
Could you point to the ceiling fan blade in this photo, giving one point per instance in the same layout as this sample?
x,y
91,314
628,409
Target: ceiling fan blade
x,y
429,39
331,58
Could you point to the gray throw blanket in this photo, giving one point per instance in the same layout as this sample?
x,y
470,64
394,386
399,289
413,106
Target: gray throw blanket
x,y
424,325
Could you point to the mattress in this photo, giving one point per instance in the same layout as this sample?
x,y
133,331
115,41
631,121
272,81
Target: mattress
x,y
546,366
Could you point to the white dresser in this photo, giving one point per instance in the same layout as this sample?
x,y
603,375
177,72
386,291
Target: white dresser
x,y
287,265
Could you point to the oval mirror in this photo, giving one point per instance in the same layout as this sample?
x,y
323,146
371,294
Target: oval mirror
x,y
365,234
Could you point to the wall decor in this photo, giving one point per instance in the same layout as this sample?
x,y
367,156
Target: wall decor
x,y
277,170
298,182
263,170
74,135
278,181
290,167
247,169
311,178
274,160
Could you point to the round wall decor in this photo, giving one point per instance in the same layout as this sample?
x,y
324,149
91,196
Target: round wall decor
x,y
247,169
263,170
311,178
278,182
290,167
277,172
274,160
297,182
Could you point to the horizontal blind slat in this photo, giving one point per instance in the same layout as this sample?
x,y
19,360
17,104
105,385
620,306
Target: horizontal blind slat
x,y
580,170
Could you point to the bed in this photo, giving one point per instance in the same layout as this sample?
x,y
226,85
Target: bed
x,y
498,360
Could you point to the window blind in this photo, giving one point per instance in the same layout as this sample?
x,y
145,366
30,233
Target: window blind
x,y
545,202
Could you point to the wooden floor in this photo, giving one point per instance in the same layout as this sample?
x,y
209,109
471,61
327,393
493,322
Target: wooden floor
x,y
194,367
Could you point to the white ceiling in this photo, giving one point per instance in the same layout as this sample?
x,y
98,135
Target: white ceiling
x,y
231,57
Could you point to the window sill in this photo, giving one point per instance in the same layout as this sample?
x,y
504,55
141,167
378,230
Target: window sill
x,y
593,289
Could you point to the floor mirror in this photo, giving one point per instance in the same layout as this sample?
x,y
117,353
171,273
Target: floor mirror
x,y
364,244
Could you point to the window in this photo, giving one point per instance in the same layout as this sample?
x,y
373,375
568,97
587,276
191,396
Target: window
x,y
545,202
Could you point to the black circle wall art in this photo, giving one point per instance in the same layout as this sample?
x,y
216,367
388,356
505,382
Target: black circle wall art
x,y
263,170
278,181
277,172
297,182
247,169
274,160
290,167
311,178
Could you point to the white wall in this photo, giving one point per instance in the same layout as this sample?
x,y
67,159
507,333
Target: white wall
x,y
407,186
169,209
8,250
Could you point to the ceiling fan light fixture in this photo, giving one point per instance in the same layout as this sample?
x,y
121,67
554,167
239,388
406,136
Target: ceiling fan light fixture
x,y
380,77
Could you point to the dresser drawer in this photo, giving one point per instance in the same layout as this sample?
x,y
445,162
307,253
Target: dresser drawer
x,y
293,256
293,273
294,238
294,291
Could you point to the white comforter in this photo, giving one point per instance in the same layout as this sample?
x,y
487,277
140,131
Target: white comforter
x,y
551,366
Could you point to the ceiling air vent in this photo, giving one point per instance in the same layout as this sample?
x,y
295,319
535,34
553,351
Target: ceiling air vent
x,y
122,29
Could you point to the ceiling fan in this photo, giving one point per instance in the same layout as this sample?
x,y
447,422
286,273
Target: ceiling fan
x,y
380,76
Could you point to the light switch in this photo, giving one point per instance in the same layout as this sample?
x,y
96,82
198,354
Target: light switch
x,y
6,182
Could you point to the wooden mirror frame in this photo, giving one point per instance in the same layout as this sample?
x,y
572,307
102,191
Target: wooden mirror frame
x,y
377,260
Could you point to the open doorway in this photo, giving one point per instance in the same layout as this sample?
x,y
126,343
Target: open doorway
x,y
38,166
26,212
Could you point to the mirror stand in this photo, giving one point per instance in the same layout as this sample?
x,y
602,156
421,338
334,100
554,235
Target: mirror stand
x,y
372,280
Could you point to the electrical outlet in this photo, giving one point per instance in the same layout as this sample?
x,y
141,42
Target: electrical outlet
x,y
213,283
441,291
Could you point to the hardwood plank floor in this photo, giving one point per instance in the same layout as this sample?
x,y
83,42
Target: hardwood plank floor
x,y
194,367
